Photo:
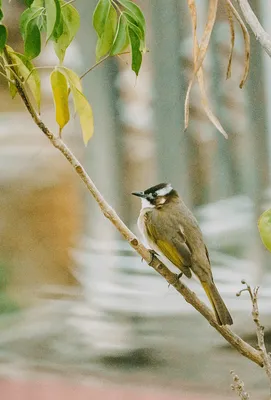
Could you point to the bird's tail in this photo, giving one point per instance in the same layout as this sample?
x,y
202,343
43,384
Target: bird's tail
x,y
221,312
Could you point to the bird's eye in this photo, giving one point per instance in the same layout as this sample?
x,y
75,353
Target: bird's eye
x,y
154,194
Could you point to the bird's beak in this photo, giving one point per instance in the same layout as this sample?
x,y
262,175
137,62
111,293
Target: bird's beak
x,y
139,194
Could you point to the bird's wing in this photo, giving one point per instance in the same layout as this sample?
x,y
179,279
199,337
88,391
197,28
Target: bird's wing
x,y
174,248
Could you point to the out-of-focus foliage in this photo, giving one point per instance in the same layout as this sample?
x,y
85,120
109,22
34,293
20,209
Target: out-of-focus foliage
x,y
264,225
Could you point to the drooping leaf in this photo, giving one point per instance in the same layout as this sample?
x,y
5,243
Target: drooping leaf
x,y
61,95
105,42
136,53
133,24
100,16
52,17
84,110
72,77
135,11
3,37
25,70
121,40
264,226
28,15
71,24
1,14
32,41
81,105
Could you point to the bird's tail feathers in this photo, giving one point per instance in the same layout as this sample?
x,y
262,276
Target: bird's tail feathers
x,y
221,312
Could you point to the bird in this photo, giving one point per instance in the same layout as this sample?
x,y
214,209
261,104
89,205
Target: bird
x,y
172,231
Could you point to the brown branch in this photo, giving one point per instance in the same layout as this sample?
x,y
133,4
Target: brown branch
x,y
244,348
239,387
259,329
251,19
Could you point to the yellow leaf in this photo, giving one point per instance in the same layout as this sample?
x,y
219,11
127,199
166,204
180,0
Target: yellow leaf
x,y
84,110
25,70
61,96
81,105
72,77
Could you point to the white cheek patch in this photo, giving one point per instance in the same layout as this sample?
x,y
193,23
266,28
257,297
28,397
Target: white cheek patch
x,y
146,204
166,190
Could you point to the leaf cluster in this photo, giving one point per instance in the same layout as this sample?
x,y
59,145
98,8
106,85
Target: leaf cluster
x,y
118,24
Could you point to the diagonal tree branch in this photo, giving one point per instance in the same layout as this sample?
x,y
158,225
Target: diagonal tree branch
x,y
240,345
260,34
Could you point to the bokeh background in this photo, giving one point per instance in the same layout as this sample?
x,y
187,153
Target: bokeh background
x,y
81,317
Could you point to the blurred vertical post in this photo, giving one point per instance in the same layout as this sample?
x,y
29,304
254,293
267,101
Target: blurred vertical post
x,y
169,93
257,131
102,153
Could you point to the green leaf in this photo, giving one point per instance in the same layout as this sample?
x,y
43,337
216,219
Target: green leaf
x,y
28,2
100,16
3,37
32,41
135,12
61,96
28,15
1,14
136,53
81,105
105,42
121,40
71,24
264,226
52,17
29,74
132,23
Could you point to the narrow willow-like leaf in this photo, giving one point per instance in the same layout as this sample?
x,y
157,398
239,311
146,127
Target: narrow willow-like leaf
x,y
61,95
32,41
52,17
264,226
25,70
105,42
1,14
121,40
3,37
71,24
100,16
136,53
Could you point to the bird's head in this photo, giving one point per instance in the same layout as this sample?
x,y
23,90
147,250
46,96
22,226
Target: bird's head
x,y
157,196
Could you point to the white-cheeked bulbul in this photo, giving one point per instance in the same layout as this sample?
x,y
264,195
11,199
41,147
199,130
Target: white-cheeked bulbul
x,y
172,231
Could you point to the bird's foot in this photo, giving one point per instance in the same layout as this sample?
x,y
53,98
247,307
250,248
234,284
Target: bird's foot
x,y
177,277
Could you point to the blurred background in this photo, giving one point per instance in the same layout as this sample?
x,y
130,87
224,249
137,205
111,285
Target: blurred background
x,y
81,317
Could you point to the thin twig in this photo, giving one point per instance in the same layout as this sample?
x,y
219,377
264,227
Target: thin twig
x,y
240,345
260,34
94,66
259,328
239,387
